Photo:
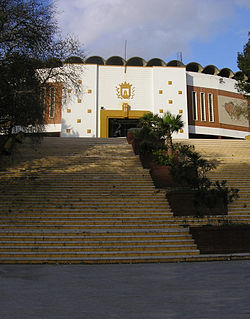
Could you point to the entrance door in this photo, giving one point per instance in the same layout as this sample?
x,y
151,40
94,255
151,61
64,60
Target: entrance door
x,y
119,127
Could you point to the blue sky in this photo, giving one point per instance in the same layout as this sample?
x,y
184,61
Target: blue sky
x,y
205,31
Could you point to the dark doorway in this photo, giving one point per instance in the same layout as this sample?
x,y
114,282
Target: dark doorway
x,y
119,127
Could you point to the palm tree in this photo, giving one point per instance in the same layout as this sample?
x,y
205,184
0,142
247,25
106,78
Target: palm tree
x,y
168,124
149,120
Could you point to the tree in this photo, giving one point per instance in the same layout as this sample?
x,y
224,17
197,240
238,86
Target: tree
x,y
168,124
243,62
161,128
19,90
149,120
31,55
243,82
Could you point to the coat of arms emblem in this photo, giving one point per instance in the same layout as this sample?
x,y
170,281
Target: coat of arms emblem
x,y
125,91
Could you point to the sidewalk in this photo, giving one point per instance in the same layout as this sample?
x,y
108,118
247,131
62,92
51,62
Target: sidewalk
x,y
218,290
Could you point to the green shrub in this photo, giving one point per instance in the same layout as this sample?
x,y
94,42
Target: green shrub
x,y
146,140
162,158
213,195
191,167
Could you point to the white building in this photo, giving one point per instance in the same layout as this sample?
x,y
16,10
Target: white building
x,y
115,93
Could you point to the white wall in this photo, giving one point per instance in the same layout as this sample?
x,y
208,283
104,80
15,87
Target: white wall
x,y
110,77
146,83
79,111
53,128
217,131
211,81
175,92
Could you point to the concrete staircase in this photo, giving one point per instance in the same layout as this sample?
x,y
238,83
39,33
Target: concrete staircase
x,y
233,158
86,201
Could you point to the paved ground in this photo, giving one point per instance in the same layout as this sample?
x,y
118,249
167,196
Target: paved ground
x,y
215,290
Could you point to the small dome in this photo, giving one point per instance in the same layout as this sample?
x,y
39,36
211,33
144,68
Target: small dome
x,y
240,76
156,62
226,73
175,63
194,67
210,69
115,60
74,60
95,60
136,61
53,63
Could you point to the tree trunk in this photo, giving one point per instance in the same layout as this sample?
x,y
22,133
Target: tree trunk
x,y
169,143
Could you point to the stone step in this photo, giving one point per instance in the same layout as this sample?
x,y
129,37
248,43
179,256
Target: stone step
x,y
232,213
89,211
81,206
96,249
95,177
86,226
93,241
130,190
121,214
86,199
60,215
127,260
98,233
72,242
238,209
78,199
127,253
29,206
86,220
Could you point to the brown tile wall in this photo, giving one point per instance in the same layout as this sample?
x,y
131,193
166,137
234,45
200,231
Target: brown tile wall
x,y
215,93
58,104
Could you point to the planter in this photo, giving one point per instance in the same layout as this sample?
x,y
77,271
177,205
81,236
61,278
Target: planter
x,y
184,203
147,160
226,239
135,146
162,176
131,133
130,137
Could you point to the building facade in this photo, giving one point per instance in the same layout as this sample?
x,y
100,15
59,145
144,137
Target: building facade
x,y
116,93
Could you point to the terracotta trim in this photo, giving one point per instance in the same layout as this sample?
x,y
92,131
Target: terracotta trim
x,y
231,94
226,126
235,127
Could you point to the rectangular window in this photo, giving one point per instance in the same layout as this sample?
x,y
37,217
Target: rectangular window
x,y
203,107
43,98
211,107
52,102
194,105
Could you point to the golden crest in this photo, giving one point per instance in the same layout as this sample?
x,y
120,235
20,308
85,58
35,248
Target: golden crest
x,y
125,91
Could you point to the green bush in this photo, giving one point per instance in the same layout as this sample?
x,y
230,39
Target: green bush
x,y
161,158
146,140
191,167
214,194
